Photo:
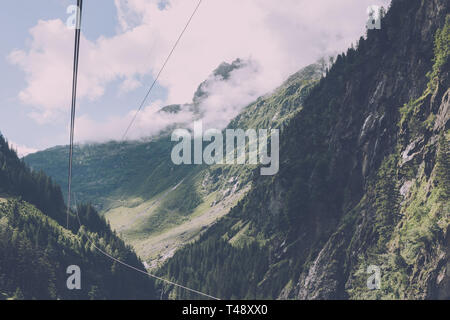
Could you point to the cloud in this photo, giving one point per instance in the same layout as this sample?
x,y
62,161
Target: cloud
x,y
22,150
278,37
48,66
129,84
150,123
223,102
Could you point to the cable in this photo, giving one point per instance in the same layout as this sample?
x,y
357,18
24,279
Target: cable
x,y
139,270
161,70
74,100
72,134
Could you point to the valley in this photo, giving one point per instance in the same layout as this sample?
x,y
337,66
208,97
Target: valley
x,y
358,207
158,218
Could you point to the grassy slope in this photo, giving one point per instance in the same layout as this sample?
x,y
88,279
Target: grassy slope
x,y
38,250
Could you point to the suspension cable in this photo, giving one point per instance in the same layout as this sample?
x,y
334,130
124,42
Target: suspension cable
x,y
161,70
72,134
76,56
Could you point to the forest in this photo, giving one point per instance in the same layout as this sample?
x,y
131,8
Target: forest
x,y
36,248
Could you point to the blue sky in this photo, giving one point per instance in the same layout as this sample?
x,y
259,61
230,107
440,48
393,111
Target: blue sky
x,y
100,19
124,44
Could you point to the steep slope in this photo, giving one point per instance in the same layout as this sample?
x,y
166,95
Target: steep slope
x,y
35,250
158,206
363,181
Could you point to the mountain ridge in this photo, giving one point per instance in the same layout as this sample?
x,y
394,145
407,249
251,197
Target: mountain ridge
x,y
357,185
36,250
119,177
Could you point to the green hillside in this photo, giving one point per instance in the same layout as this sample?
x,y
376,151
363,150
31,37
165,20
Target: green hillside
x,y
363,189
35,249
363,182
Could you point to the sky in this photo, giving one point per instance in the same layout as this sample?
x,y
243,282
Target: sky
x,y
124,44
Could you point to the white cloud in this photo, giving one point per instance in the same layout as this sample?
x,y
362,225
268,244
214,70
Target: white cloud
x,y
279,37
129,84
149,123
22,150
227,98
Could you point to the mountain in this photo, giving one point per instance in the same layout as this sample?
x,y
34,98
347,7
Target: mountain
x,y
155,205
36,250
362,195
221,74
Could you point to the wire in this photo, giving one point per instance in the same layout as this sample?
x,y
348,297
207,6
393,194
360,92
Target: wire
x,y
139,270
161,70
74,100
72,134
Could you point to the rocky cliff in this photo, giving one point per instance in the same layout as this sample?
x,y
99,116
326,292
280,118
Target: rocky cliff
x,y
363,182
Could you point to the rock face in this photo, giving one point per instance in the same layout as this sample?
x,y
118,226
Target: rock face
x,y
410,268
363,178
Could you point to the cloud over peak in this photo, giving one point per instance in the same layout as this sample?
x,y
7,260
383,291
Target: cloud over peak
x,y
277,37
